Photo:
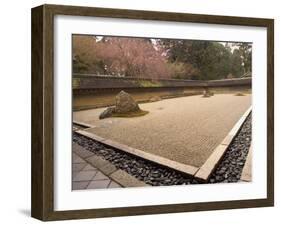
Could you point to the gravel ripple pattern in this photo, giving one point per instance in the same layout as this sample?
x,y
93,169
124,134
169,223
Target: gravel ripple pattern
x,y
229,170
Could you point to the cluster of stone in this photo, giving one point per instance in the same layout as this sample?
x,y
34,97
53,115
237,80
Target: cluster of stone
x,y
124,104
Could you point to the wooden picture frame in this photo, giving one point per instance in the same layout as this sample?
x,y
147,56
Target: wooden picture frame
x,y
43,112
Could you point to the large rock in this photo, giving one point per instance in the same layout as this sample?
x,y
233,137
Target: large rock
x,y
124,103
107,113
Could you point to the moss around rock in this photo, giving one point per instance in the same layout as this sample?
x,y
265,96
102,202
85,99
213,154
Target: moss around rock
x,y
125,106
130,114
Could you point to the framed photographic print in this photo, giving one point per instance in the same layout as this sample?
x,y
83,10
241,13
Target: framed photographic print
x,y
141,112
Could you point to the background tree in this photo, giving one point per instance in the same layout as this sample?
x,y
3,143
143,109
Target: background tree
x,y
212,60
245,51
85,55
133,57
160,58
236,64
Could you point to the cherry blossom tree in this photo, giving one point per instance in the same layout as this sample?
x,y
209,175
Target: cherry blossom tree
x,y
133,57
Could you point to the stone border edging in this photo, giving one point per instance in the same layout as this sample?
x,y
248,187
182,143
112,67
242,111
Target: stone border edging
x,y
85,125
205,171
183,168
246,175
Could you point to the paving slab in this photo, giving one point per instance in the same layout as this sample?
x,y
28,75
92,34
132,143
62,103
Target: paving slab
x,y
126,180
80,151
89,167
84,176
80,185
78,166
108,169
74,173
114,185
97,161
77,159
100,176
98,184
186,129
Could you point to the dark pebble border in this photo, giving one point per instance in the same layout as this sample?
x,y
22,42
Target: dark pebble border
x,y
229,169
231,166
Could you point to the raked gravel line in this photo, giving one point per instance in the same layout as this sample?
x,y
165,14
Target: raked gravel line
x,y
184,129
229,169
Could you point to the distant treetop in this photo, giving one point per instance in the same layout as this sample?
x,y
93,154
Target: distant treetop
x,y
160,58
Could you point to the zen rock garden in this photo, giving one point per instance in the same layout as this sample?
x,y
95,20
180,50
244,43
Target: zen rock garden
x,y
153,112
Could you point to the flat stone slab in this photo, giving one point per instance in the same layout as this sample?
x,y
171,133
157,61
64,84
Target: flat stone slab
x,y
247,170
108,169
84,176
77,159
79,185
114,185
126,180
88,167
76,167
97,161
90,171
98,184
100,176
186,129
101,164
80,151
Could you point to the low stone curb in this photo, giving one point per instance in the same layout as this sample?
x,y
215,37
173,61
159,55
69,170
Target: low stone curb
x,y
81,152
247,170
205,171
82,124
126,180
90,135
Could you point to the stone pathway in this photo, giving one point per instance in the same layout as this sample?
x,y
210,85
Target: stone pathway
x,y
90,171
85,176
